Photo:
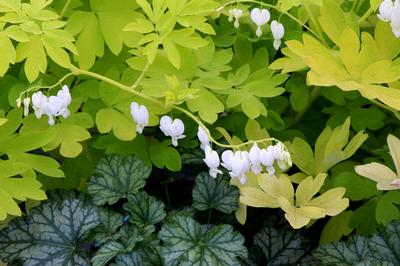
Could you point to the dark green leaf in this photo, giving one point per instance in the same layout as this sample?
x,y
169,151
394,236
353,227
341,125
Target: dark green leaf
x,y
110,221
145,209
210,193
278,247
52,234
184,243
107,252
116,177
352,252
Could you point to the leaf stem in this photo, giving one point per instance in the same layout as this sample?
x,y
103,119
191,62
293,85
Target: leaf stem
x,y
209,216
141,76
77,71
366,15
66,5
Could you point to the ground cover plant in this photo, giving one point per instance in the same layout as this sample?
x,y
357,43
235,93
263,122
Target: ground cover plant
x,y
199,132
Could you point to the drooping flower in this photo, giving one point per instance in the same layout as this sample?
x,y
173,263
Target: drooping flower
x,y
267,158
27,102
64,98
227,157
395,19
238,164
212,161
260,18
203,138
254,156
386,10
278,31
172,128
282,156
140,115
234,15
52,106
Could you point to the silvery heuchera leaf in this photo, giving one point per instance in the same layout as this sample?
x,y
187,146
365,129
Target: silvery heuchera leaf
x,y
145,209
210,193
185,243
278,247
383,248
352,252
110,221
107,252
131,259
53,233
116,177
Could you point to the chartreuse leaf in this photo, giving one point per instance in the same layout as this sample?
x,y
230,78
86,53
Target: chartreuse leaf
x,y
300,206
384,177
358,66
278,247
249,88
145,209
207,105
101,25
210,193
331,147
13,188
117,177
52,233
8,53
39,33
185,243
383,248
108,119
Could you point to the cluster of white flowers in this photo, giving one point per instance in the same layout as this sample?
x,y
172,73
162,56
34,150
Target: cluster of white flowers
x,y
260,17
240,162
140,115
172,128
52,106
389,11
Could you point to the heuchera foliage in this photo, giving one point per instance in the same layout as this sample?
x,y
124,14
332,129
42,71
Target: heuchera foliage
x,y
265,116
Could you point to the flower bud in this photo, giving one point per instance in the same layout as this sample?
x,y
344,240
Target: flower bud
x,y
27,102
203,138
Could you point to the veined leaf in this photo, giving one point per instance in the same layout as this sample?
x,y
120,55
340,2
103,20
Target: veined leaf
x,y
185,242
117,177
210,193
52,233
145,209
278,247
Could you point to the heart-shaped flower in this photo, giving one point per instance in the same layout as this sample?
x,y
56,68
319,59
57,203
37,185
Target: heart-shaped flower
x,y
386,10
395,19
278,31
212,161
260,17
172,128
140,115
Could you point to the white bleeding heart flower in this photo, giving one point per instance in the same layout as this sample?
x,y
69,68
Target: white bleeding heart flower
x,y
52,106
227,158
240,165
27,102
234,15
267,158
278,31
260,18
395,19
64,97
254,156
212,161
172,128
140,115
386,10
282,156
203,138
